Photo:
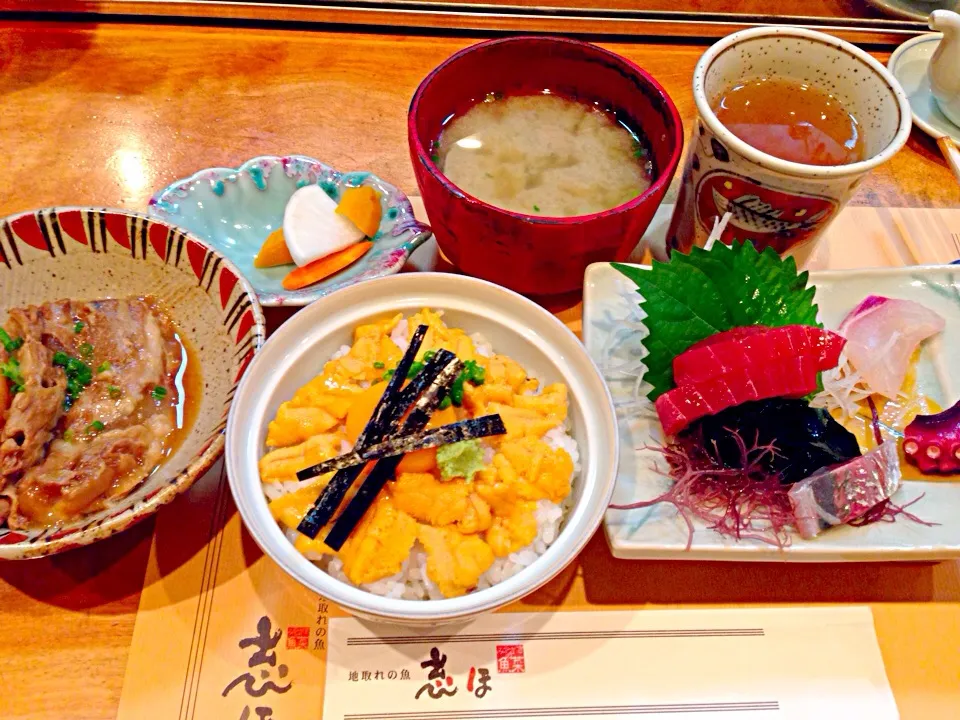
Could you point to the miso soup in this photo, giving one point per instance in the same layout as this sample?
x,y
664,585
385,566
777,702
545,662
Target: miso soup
x,y
544,155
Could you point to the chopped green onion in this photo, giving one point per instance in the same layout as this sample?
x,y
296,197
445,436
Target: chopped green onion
x,y
415,369
10,344
113,391
446,402
536,208
158,393
474,372
95,427
86,349
11,370
379,365
78,373
389,373
68,435
429,355
456,390
78,326
103,367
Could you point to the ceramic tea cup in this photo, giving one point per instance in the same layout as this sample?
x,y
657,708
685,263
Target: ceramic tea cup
x,y
778,203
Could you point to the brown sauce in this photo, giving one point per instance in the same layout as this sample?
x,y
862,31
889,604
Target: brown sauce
x,y
189,384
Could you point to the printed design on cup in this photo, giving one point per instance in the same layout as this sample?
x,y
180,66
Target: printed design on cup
x,y
766,216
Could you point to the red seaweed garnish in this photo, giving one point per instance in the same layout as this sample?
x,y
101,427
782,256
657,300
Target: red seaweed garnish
x,y
875,421
744,502
887,511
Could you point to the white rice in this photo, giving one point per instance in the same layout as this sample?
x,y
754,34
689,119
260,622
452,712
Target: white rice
x,y
549,518
481,345
560,438
412,582
344,349
400,335
273,490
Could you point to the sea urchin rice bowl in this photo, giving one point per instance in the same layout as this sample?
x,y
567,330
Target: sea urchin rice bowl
x,y
430,534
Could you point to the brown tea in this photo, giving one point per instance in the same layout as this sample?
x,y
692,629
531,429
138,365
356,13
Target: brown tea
x,y
791,120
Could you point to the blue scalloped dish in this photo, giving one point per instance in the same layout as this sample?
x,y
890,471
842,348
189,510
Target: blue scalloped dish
x,y
234,209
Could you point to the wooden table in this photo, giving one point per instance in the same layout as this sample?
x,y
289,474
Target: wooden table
x,y
104,115
854,20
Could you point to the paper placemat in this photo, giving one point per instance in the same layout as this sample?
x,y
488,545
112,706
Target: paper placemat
x,y
795,663
221,632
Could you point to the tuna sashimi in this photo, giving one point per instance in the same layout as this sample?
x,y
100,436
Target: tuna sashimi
x,y
754,348
780,377
882,334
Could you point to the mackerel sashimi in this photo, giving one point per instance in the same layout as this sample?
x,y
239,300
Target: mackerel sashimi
x,y
746,364
882,334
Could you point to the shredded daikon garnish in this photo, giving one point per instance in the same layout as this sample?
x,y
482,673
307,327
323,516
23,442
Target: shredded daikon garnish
x,y
719,225
844,388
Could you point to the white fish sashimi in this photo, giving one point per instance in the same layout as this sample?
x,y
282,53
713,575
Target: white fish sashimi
x,y
882,334
312,228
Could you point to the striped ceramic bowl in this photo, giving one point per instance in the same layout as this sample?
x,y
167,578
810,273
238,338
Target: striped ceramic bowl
x,y
93,253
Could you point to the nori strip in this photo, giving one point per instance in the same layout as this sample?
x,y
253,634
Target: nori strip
x,y
470,429
381,422
391,404
402,400
383,470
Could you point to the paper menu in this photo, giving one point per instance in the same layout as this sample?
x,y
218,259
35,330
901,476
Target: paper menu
x,y
222,631
785,663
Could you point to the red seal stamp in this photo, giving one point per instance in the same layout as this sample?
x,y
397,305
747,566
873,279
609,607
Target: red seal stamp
x,y
510,659
298,637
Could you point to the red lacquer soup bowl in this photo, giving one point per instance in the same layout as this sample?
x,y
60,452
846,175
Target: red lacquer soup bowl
x,y
532,254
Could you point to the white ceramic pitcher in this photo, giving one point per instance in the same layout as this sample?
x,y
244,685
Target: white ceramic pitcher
x,y
944,67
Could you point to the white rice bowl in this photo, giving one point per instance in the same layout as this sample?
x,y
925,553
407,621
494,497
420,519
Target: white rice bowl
x,y
412,582
519,329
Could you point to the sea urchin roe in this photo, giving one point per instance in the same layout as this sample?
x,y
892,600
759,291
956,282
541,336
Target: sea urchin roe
x,y
281,465
424,497
455,562
429,501
379,545
513,531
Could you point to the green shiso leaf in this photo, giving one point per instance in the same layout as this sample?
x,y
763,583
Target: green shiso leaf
x,y
694,296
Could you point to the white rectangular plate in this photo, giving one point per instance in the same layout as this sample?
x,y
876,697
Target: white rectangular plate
x,y
659,533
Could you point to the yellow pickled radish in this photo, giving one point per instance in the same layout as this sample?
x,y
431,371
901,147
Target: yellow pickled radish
x,y
273,252
361,206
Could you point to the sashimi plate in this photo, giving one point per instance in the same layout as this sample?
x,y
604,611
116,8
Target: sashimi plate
x,y
659,532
